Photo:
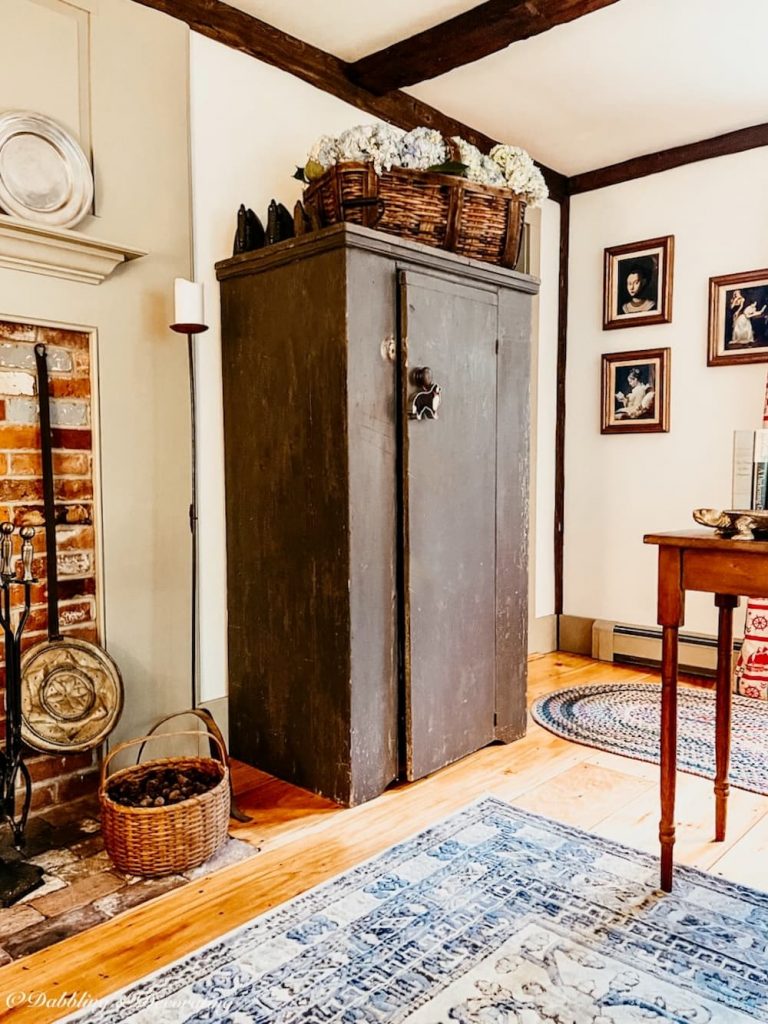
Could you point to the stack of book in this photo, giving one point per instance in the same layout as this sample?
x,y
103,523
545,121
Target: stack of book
x,y
750,469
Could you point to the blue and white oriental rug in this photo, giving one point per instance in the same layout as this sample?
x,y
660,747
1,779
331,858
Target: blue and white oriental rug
x,y
493,916
624,718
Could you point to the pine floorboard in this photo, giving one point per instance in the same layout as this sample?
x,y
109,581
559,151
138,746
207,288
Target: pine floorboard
x,y
305,840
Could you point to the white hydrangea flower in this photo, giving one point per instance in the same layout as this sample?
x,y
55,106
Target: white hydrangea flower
x,y
520,173
324,152
480,168
385,146
473,158
536,191
371,143
492,173
422,148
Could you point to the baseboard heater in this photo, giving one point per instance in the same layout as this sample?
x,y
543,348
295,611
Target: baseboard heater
x,y
641,645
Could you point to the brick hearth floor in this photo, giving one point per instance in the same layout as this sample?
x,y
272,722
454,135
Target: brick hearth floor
x,y
81,887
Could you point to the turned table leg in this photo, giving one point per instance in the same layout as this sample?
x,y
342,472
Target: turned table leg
x,y
726,603
671,613
668,752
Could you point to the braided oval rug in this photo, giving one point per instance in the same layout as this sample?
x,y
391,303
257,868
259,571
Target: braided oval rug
x,y
623,718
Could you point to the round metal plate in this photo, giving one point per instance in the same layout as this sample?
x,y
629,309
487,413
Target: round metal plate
x,y
44,174
71,696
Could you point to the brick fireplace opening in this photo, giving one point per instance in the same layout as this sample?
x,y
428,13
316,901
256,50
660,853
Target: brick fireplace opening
x,y
57,779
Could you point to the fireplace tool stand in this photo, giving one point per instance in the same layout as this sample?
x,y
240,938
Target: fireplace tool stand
x,y
12,766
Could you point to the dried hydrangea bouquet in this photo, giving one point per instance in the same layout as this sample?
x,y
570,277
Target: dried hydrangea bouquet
x,y
424,187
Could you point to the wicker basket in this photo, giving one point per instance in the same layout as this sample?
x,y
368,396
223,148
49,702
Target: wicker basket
x,y
165,840
480,221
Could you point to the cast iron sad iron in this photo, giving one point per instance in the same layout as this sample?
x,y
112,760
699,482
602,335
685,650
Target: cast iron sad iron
x,y
250,233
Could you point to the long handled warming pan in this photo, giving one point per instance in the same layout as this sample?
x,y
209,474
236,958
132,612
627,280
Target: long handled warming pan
x,y
72,693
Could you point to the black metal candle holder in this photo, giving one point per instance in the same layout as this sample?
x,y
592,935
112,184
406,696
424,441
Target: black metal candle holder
x,y
12,766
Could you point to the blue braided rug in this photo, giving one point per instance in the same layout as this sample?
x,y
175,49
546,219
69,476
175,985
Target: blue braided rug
x,y
624,719
493,916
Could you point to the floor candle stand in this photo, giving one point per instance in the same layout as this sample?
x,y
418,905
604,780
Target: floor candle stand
x,y
12,766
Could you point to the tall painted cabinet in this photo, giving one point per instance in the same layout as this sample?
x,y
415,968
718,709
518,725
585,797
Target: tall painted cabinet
x,y
376,436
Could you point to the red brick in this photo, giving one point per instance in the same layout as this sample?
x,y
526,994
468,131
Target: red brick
x,y
28,436
75,438
72,514
72,787
71,464
21,490
25,464
70,387
64,338
72,490
76,613
42,796
81,360
81,587
64,463
10,331
89,633
48,767
76,538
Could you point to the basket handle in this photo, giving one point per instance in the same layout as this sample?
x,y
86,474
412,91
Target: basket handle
x,y
369,201
158,736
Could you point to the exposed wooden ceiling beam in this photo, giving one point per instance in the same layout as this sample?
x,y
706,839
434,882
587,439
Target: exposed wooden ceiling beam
x,y
241,31
476,33
651,163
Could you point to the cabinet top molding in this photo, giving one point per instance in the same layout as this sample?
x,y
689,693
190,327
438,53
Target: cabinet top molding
x,y
357,237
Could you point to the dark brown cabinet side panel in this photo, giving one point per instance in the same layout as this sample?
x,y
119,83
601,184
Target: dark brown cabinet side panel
x,y
284,378
512,512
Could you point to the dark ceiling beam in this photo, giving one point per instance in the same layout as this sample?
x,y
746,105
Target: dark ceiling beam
x,y
468,37
738,141
241,31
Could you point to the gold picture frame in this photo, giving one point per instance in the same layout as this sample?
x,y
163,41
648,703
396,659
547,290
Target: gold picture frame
x,y
637,283
738,319
635,392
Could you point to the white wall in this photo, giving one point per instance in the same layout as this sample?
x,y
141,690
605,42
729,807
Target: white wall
x,y
544,427
251,125
619,487
130,57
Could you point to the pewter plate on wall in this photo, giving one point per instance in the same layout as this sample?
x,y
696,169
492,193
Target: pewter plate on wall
x,y
44,175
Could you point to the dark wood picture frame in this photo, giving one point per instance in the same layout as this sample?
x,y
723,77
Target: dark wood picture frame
x,y
738,319
638,274
635,392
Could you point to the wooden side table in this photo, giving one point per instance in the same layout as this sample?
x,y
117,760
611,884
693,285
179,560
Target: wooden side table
x,y
700,560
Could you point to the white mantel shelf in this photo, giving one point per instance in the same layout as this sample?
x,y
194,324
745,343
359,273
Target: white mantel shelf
x,y
59,252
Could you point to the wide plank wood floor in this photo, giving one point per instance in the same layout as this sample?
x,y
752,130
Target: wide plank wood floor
x,y
305,839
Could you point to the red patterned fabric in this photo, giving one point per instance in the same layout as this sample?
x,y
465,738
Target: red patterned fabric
x,y
751,677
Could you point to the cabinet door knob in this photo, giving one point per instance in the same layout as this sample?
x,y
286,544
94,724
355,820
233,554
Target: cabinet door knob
x,y
424,404
421,376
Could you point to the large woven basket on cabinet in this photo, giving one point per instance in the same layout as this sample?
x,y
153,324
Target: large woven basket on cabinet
x,y
482,222
165,840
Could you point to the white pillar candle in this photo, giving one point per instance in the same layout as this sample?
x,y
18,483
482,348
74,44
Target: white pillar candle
x,y
188,296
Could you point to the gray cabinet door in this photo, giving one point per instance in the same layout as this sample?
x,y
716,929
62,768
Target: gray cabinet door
x,y
448,492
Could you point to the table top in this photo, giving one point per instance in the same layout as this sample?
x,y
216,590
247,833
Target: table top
x,y
706,539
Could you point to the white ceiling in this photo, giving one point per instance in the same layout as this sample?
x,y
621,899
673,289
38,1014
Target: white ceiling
x,y
636,77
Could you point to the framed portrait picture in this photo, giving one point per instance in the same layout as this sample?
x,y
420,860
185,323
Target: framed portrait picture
x,y
637,283
738,318
635,392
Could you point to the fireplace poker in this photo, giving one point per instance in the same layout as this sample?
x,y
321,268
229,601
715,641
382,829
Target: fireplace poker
x,y
12,764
